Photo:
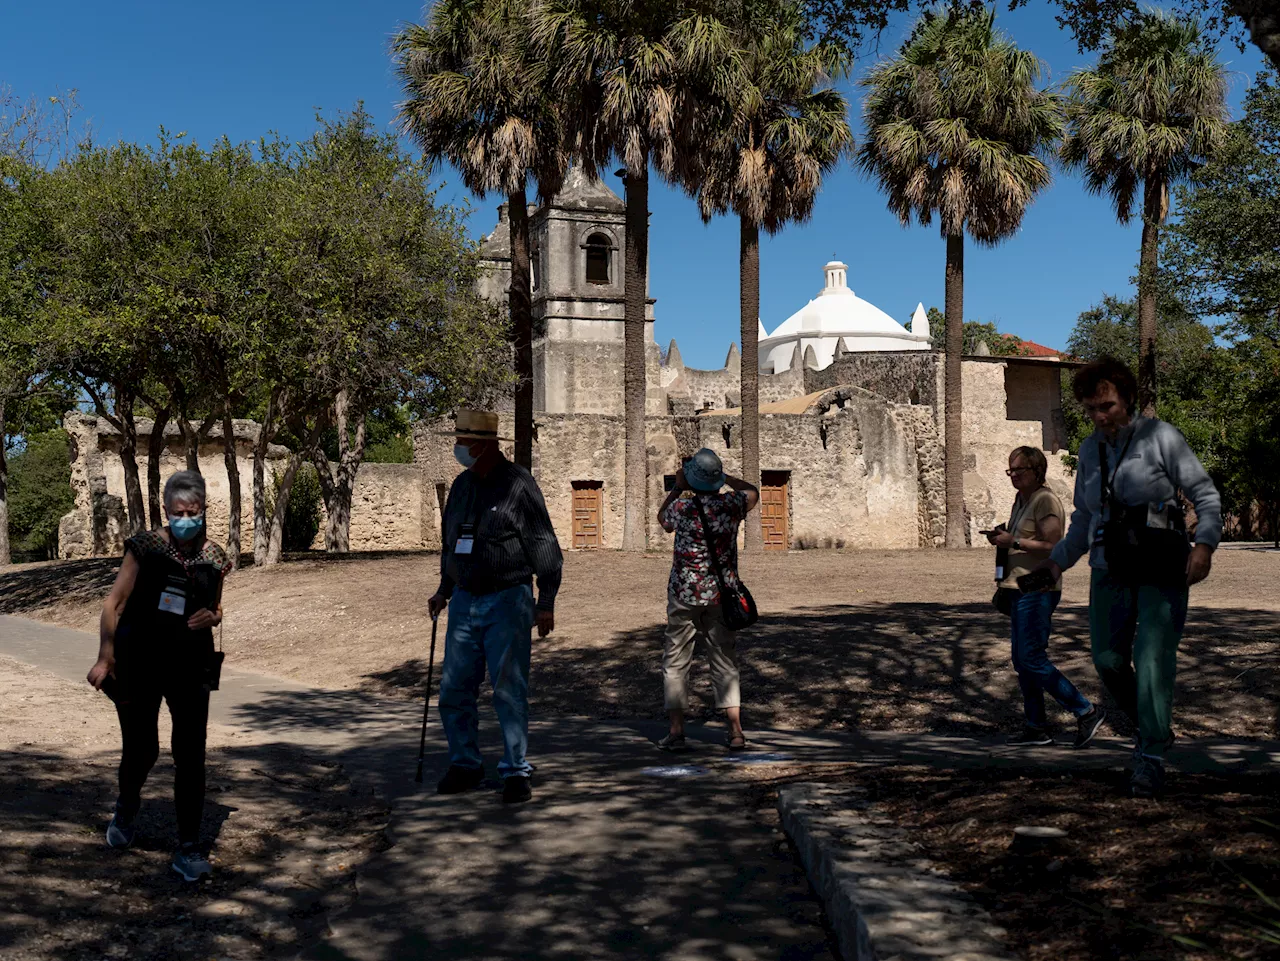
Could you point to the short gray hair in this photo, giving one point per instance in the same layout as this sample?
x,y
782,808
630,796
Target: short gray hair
x,y
186,485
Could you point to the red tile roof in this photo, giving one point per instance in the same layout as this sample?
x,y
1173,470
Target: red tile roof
x,y
1031,349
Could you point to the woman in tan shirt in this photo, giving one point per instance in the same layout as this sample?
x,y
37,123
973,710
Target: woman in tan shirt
x,y
1035,525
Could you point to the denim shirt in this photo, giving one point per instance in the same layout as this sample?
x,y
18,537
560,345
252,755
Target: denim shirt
x,y
1157,463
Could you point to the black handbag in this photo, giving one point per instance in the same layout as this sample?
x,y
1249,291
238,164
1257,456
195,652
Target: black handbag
x,y
737,606
1138,553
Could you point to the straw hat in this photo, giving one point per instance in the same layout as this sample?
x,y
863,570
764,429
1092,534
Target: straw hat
x,y
475,425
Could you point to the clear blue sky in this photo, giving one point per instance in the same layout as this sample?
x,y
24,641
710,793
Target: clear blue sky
x,y
243,68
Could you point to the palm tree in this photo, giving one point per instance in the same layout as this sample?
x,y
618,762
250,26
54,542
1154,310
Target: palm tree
x,y
957,127
477,95
626,75
1148,114
765,148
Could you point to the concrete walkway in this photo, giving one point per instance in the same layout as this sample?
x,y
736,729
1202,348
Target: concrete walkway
x,y
624,853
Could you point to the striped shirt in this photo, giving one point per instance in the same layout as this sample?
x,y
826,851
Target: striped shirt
x,y
514,540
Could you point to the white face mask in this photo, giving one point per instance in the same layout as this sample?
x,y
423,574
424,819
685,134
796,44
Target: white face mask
x,y
462,453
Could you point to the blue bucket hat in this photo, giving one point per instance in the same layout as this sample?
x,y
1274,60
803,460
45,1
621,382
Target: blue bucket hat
x,y
704,472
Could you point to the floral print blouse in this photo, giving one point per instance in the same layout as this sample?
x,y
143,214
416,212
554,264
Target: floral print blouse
x,y
693,579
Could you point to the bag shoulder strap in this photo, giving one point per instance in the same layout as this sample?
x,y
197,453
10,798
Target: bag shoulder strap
x,y
711,547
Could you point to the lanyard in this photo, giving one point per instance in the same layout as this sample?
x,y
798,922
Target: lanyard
x,y
1108,482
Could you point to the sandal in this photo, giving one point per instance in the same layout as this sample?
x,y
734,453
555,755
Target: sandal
x,y
673,743
737,742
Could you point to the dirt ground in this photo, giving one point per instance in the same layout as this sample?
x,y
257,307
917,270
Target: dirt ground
x,y
1135,881
287,830
889,640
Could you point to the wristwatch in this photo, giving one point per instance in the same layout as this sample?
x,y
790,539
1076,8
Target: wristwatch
x,y
1017,544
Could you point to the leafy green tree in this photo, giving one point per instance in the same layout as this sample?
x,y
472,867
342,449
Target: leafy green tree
x,y
975,332
1222,255
1145,116
767,144
40,493
478,95
956,128
629,73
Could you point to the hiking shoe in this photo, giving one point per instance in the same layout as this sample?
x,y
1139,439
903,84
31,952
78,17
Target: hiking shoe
x,y
1087,726
675,743
190,863
1030,737
458,779
120,832
1148,777
517,789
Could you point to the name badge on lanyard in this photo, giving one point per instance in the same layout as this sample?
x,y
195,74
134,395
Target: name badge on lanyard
x,y
173,600
466,539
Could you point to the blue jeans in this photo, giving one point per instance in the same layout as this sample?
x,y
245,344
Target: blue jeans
x,y
1031,623
494,630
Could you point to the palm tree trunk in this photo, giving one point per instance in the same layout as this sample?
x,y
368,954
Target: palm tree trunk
x,y
749,382
519,300
1148,267
957,527
634,381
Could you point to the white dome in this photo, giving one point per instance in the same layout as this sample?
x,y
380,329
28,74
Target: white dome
x,y
834,314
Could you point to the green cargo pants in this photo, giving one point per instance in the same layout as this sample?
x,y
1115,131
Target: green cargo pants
x,y
1134,633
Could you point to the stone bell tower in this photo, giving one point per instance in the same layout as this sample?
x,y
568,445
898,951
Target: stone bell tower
x,y
577,245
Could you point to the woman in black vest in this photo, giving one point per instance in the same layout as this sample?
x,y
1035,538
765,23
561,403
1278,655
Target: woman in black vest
x,y
157,644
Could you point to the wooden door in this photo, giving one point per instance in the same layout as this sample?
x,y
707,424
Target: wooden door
x,y
586,514
774,509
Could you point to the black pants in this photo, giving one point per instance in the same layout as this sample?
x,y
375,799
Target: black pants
x,y
139,726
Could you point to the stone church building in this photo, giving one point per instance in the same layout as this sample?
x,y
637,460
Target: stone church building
x,y
851,425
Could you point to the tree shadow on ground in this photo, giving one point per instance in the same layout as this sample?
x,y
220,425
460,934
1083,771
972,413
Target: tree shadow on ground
x,y
907,667
286,832
31,588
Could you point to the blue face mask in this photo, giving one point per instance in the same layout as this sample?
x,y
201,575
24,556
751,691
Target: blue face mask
x,y
185,528
462,453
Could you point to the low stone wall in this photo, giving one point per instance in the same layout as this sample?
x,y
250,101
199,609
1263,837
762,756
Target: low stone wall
x,y
387,502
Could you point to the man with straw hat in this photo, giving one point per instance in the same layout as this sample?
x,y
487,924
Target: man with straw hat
x,y
496,541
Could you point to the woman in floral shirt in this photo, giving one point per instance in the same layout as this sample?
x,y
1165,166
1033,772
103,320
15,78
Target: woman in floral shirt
x,y
693,593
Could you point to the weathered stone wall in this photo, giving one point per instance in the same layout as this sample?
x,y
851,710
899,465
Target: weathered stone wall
x,y
386,511
900,377
930,472
586,376
1033,392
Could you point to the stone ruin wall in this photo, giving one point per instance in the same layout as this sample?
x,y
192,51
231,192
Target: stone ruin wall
x,y
386,509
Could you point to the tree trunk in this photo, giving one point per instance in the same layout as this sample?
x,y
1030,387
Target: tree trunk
x,y
749,383
261,524
191,438
1148,266
155,447
957,524
338,488
129,461
233,483
6,558
520,302
634,380
275,542
1262,18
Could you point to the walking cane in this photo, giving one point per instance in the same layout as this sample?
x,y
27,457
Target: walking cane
x,y
426,706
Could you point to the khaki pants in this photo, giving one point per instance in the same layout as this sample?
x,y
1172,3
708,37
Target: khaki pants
x,y
684,624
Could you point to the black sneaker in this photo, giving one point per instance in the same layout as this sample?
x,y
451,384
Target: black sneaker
x,y
458,779
120,832
517,789
1087,726
1148,777
1031,737
190,863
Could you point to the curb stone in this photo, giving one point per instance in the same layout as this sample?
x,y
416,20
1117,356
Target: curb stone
x,y
884,901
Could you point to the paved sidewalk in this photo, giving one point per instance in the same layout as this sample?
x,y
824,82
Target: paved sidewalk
x,y
624,853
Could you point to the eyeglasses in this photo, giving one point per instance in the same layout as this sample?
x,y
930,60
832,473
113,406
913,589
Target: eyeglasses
x,y
1017,470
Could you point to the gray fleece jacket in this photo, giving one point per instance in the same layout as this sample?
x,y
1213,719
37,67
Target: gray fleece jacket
x,y
1157,463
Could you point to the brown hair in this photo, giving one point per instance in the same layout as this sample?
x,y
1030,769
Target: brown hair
x,y
1115,372
1035,460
